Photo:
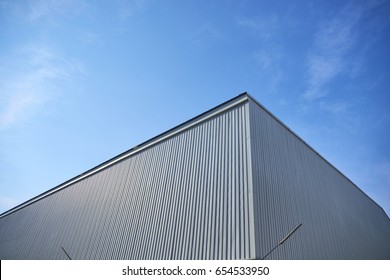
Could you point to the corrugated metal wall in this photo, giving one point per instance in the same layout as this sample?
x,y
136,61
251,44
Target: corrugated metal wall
x,y
228,184
187,197
294,185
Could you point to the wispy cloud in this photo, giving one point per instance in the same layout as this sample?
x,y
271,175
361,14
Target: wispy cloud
x,y
7,203
19,105
93,38
267,31
204,35
33,11
41,8
128,8
334,39
38,9
267,28
335,107
269,59
32,81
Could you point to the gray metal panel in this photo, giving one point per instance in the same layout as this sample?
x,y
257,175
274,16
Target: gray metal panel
x,y
187,196
292,184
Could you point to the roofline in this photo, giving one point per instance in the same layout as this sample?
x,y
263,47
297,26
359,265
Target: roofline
x,y
235,101
311,148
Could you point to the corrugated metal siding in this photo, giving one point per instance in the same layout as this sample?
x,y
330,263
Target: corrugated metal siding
x,y
229,184
187,197
292,185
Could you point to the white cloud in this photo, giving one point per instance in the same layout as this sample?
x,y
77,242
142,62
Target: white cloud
x,y
204,35
266,27
7,203
32,80
128,8
265,59
270,55
19,105
322,69
92,38
270,61
335,107
38,9
333,41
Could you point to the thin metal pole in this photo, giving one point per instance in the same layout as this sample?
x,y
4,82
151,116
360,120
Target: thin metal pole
x,y
283,240
66,253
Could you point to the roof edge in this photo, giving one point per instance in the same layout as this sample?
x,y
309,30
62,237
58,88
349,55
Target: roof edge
x,y
233,102
311,148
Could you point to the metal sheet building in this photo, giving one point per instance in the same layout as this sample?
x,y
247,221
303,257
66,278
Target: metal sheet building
x,y
231,183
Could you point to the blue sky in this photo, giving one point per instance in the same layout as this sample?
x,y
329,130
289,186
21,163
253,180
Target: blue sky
x,y
82,81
